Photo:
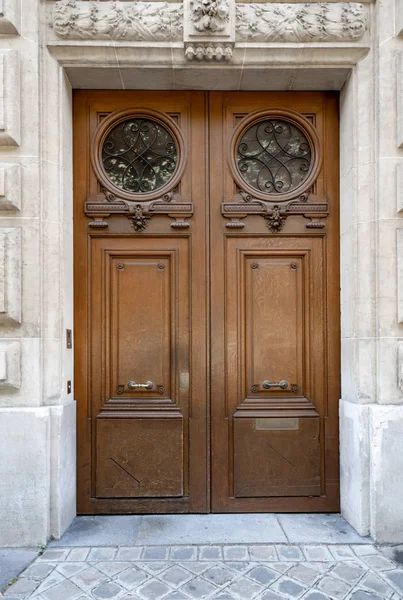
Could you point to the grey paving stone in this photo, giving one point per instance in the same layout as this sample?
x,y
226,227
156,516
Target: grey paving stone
x,y
304,574
378,562
224,596
132,578
111,568
197,567
314,595
364,549
263,553
176,576
321,567
39,570
263,575
129,554
63,591
153,590
318,528
375,584
69,569
53,579
270,595
22,587
89,578
175,596
347,571
393,552
320,553
288,587
107,590
281,567
210,553
101,554
244,589
333,587
115,530
198,588
155,553
12,562
396,578
341,552
238,566
78,554
236,553
289,553
154,567
184,553
54,554
219,575
363,595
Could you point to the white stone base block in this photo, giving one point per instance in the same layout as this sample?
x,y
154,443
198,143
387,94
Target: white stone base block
x,y
37,474
63,468
386,425
24,476
355,465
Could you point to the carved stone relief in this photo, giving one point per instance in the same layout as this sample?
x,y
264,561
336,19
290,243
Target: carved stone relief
x,y
115,20
204,20
314,22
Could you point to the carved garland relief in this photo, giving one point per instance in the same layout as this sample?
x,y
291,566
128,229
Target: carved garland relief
x,y
211,26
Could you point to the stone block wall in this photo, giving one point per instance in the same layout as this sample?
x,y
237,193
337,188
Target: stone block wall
x,y
37,423
371,414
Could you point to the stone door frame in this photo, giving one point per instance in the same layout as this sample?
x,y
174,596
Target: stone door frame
x,y
349,66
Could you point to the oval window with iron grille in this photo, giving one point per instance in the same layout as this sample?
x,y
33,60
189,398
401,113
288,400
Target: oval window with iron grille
x,y
275,155
138,154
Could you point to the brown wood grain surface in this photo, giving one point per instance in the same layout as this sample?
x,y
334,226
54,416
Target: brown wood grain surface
x,y
207,314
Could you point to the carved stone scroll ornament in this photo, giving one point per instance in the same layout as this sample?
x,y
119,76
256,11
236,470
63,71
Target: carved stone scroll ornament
x,y
274,214
139,213
313,22
163,21
115,20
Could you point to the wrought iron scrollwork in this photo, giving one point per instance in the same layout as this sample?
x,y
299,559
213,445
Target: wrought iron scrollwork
x,y
273,156
139,155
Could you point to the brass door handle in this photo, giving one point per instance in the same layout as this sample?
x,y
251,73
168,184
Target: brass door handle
x,y
283,384
132,385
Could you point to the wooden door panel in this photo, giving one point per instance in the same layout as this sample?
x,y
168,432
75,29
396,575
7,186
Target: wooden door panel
x,y
275,318
141,313
276,457
139,458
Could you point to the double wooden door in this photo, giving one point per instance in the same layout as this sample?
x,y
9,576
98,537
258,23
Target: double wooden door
x,y
206,301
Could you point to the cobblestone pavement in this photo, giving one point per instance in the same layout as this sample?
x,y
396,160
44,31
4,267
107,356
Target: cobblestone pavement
x,y
240,572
